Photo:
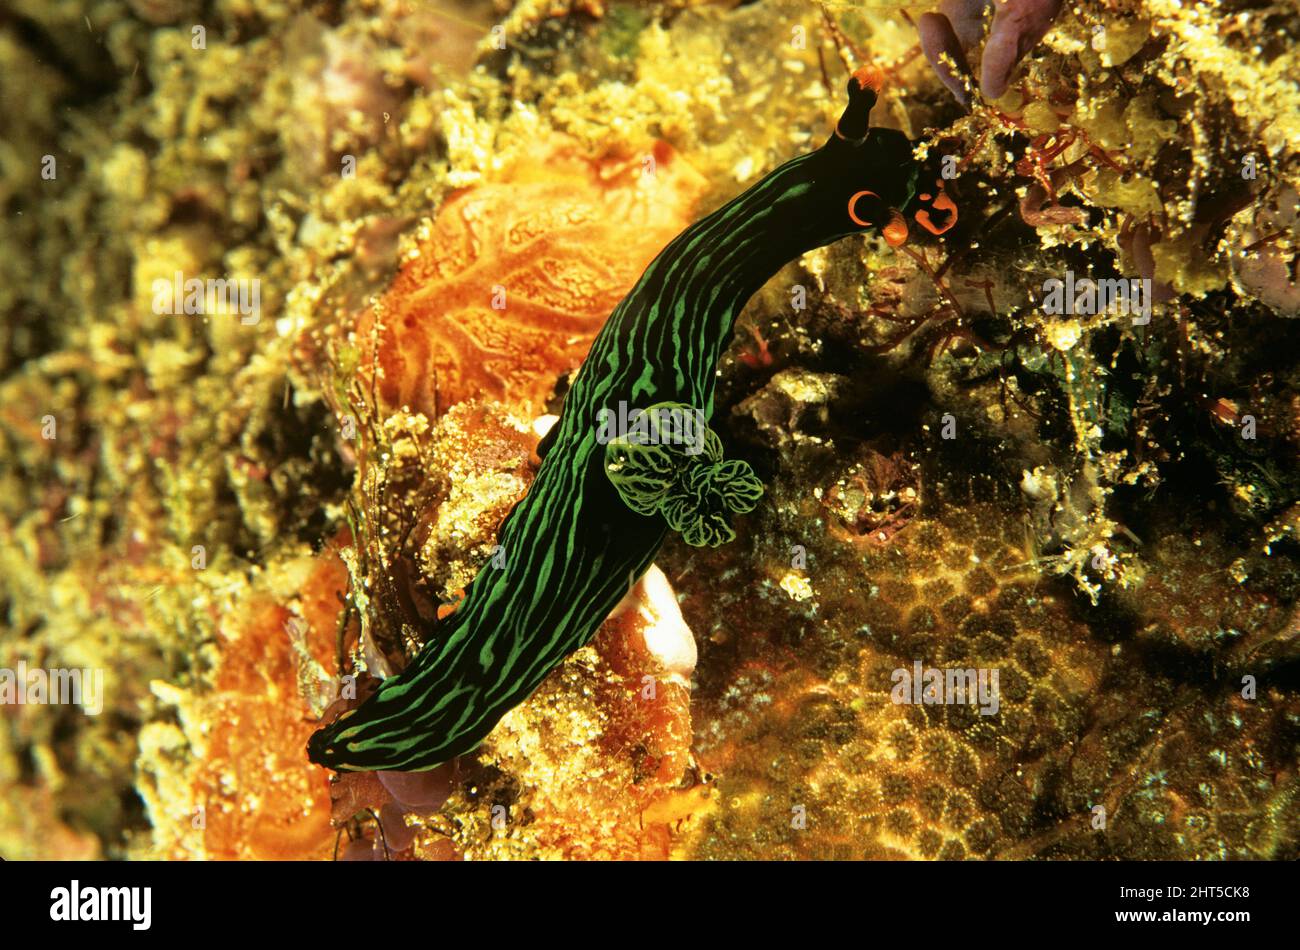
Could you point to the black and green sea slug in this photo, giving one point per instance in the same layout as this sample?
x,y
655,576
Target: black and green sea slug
x,y
598,510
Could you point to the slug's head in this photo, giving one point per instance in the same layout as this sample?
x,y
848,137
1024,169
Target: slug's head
x,y
884,185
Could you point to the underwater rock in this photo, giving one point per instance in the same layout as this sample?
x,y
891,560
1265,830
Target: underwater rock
x,y
592,766
817,758
597,763
517,274
1101,506
387,798
603,740
792,401
247,792
1266,263
163,12
340,99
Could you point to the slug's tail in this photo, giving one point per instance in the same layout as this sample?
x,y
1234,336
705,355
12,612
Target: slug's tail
x,y
412,723
370,739
359,742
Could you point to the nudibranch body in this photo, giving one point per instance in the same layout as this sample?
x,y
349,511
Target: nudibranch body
x,y
598,511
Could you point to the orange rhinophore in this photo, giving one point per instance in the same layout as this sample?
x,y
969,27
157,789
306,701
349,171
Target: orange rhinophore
x,y
895,231
869,77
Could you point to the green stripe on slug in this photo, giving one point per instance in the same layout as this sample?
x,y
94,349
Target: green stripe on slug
x,y
597,513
